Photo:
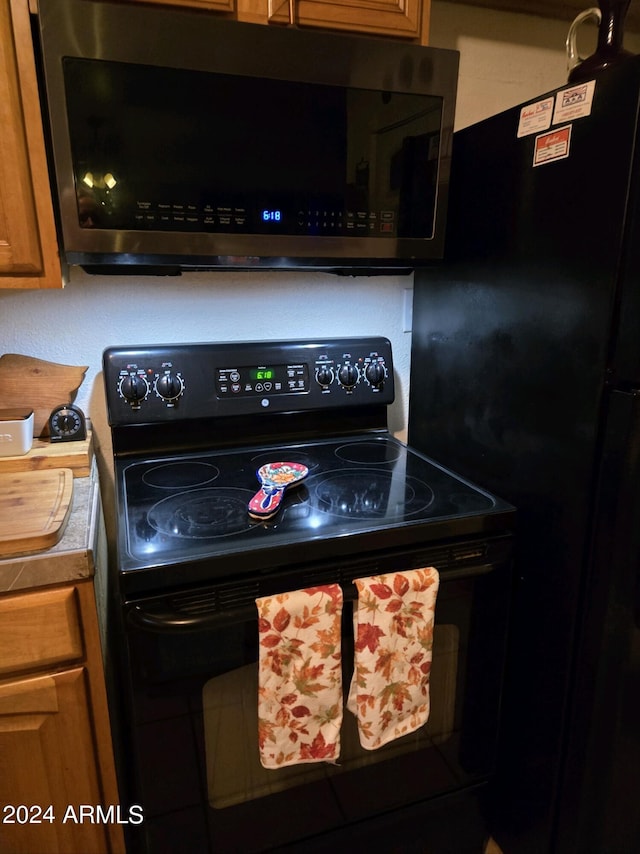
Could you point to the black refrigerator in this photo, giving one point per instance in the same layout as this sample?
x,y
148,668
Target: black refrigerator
x,y
525,378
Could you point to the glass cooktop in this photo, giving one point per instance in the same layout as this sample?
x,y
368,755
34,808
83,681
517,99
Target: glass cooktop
x,y
363,492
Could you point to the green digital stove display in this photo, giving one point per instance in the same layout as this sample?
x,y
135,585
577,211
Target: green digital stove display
x,y
253,380
262,374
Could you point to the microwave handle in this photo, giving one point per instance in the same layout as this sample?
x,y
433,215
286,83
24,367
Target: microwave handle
x,y
161,617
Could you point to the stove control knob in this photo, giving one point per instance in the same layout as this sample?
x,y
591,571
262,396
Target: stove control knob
x,y
375,374
348,376
324,375
133,388
169,387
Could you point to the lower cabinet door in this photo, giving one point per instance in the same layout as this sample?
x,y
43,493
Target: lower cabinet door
x,y
49,784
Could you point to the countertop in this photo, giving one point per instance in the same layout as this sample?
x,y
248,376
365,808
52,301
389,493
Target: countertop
x,y
73,556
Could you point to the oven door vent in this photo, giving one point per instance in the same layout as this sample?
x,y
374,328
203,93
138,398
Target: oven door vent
x,y
215,599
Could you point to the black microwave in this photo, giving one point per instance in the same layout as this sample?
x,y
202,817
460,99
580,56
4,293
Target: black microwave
x,y
184,141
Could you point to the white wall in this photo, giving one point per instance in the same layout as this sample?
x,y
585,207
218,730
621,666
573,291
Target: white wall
x,y
73,326
505,59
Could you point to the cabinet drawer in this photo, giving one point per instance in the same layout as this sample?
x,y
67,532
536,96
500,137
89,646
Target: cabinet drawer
x,y
39,629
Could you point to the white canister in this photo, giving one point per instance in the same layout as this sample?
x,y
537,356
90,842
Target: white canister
x,y
16,432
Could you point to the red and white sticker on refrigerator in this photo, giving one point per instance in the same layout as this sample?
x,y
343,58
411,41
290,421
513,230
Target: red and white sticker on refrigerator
x,y
552,146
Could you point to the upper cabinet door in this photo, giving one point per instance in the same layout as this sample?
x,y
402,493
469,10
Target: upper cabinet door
x,y
407,19
28,246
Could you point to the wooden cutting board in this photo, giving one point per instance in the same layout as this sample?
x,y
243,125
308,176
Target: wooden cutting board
x,y
34,509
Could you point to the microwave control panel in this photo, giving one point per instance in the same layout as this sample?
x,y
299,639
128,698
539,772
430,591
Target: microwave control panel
x,y
315,218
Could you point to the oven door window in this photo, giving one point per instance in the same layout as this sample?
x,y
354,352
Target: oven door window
x,y
234,771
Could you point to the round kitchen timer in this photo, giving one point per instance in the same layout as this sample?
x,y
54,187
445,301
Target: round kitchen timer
x,y
67,424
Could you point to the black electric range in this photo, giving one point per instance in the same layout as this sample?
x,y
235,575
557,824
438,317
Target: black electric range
x,y
192,424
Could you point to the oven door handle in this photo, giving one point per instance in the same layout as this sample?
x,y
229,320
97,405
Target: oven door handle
x,y
162,619
159,616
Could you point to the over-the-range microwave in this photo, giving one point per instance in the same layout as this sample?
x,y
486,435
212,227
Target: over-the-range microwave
x,y
183,141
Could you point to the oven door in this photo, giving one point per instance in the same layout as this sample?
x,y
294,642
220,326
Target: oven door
x,y
192,698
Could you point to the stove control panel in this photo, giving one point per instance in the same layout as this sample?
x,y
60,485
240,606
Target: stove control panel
x,y
186,381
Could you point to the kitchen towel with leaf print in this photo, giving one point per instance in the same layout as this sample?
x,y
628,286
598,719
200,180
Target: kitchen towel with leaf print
x,y
393,634
300,676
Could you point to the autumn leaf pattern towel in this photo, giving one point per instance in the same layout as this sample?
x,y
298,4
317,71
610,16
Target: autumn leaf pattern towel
x,y
300,676
393,632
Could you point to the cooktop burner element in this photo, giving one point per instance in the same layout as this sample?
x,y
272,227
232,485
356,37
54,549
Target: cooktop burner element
x,y
201,513
183,510
183,473
369,494
368,453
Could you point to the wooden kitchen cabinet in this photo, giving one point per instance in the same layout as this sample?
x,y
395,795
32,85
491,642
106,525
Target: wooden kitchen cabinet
x,y
55,743
406,19
28,245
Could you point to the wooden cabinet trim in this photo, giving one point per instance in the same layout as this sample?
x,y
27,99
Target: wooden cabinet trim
x,y
204,5
99,708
